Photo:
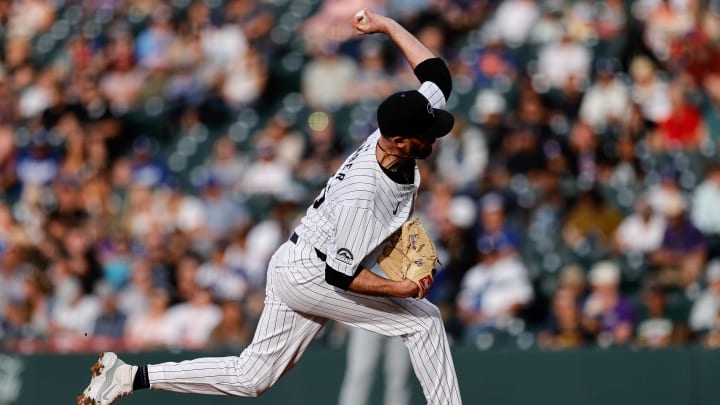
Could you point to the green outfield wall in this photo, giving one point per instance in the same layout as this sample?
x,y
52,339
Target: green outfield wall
x,y
501,377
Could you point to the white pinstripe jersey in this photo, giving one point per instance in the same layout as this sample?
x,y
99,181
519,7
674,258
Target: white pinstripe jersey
x,y
361,206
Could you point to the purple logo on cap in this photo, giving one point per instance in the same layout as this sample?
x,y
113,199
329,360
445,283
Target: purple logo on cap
x,y
430,110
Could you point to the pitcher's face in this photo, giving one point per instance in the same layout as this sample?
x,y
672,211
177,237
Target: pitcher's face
x,y
420,148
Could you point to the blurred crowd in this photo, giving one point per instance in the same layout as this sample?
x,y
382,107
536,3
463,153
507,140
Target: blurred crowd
x,y
154,154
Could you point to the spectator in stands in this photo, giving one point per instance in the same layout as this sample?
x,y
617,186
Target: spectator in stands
x,y
37,291
110,322
606,102
224,283
607,314
456,243
265,237
13,322
181,211
245,79
222,44
513,20
81,259
191,323
38,165
73,314
666,190
625,171
148,330
493,223
11,277
184,277
712,339
322,151
373,81
494,63
705,200
585,157
705,309
494,290
281,131
133,298
656,328
680,258
115,259
326,79
590,221
522,147
147,170
153,43
683,128
121,83
572,279
564,60
462,156
640,232
222,213
666,24
649,91
564,329
487,112
227,165
268,174
231,332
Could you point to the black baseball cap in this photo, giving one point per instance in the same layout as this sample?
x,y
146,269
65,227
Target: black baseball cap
x,y
410,114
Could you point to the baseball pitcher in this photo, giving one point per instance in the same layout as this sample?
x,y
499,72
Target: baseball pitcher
x,y
363,217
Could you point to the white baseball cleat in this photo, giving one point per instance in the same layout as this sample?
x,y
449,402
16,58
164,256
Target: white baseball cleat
x,y
111,379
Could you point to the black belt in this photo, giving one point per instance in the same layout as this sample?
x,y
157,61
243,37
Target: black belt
x,y
322,256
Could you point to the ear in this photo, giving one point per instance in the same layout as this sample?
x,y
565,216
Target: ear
x,y
398,141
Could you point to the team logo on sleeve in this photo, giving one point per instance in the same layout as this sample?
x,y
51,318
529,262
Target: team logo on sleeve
x,y
344,256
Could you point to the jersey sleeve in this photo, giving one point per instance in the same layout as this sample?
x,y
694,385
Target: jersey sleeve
x,y
356,231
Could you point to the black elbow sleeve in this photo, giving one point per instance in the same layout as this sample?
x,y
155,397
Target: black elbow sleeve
x,y
435,70
337,279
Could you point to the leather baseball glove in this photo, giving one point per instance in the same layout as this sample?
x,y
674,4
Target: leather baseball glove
x,y
410,254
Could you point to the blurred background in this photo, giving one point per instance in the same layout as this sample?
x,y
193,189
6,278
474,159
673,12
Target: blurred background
x,y
154,154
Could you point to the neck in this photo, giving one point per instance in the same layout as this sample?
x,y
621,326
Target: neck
x,y
387,158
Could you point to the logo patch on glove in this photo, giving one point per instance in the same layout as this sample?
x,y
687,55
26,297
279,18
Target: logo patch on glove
x,y
426,283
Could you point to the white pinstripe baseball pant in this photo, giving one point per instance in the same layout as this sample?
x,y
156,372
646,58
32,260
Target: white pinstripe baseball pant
x,y
298,303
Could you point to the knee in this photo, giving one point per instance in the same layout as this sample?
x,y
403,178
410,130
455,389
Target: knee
x,y
257,390
258,386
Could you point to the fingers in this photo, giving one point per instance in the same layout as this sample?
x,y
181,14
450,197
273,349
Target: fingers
x,y
360,20
366,22
360,17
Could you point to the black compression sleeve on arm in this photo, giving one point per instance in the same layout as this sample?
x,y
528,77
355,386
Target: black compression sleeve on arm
x,y
435,70
337,279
